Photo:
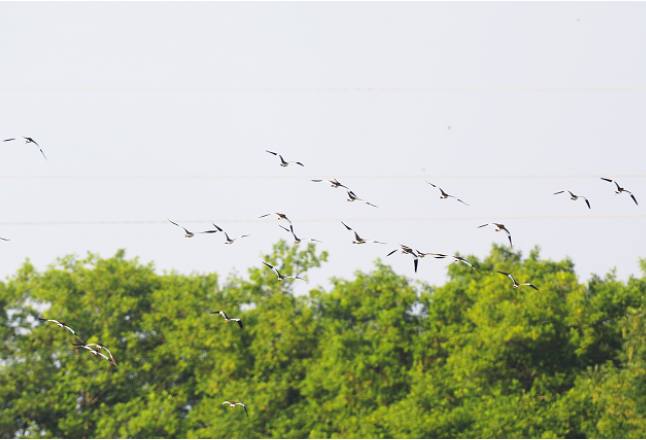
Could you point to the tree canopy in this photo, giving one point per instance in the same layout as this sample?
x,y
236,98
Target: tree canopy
x,y
376,356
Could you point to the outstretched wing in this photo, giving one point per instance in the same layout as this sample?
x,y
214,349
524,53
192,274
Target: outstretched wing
x,y
509,275
185,230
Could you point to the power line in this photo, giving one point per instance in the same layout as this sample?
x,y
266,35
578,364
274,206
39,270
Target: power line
x,y
317,89
316,220
292,177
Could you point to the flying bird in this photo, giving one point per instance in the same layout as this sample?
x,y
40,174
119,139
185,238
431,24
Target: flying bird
x,y
575,197
232,404
4,239
228,240
335,183
423,254
190,234
96,352
456,259
407,250
100,346
619,190
359,240
62,325
227,319
297,239
352,197
280,277
282,161
445,195
499,228
516,285
280,216
28,140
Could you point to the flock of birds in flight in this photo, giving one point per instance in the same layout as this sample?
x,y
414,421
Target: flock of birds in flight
x,y
96,348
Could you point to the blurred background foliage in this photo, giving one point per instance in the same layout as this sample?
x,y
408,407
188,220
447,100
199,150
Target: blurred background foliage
x,y
376,356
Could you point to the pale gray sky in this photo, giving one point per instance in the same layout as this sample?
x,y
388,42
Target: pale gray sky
x,y
539,97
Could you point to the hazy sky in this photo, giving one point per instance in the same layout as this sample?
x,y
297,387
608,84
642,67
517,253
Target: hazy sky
x,y
148,111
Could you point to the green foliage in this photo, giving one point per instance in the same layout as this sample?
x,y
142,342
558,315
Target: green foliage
x,y
376,356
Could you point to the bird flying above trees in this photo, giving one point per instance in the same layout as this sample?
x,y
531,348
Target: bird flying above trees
x,y
407,250
620,190
227,239
100,346
297,239
28,140
280,277
352,197
335,183
283,163
456,259
359,240
280,216
232,404
575,197
444,195
62,325
96,352
227,319
516,285
190,234
499,227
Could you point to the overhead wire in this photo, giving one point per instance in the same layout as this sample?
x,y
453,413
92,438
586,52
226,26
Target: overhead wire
x,y
316,220
319,89
302,177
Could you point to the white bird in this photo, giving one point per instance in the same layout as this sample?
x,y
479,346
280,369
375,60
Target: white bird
x,y
445,195
280,216
283,163
190,234
228,240
516,285
227,319
352,197
296,239
620,190
575,197
62,325
499,227
28,140
4,239
359,240
335,183
95,352
100,346
232,404
280,277
407,250
456,259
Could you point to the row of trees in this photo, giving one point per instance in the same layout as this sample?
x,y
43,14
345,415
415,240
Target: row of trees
x,y
376,356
